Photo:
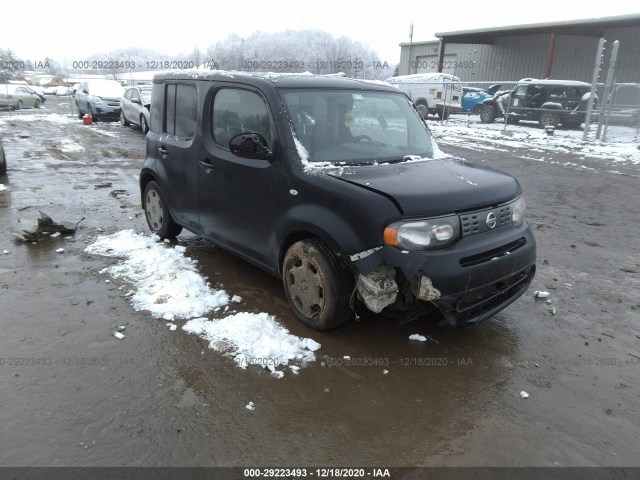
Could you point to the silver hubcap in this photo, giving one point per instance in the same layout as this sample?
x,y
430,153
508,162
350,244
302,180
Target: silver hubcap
x,y
153,210
548,119
306,286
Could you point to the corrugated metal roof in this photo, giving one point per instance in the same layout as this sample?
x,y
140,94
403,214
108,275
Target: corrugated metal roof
x,y
589,27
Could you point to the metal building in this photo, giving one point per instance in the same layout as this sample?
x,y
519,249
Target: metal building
x,y
563,50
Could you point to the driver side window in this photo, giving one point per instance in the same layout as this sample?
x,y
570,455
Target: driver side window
x,y
239,111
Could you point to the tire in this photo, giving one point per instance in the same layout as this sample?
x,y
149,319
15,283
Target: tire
x,y
548,118
487,114
476,110
18,105
90,113
123,119
3,161
423,108
143,124
157,213
37,105
317,285
443,113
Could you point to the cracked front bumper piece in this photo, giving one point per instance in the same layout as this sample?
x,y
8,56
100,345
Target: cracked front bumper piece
x,y
467,282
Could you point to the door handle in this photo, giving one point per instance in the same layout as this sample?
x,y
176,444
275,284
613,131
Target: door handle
x,y
163,150
206,165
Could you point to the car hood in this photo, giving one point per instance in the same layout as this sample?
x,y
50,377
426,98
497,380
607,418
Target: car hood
x,y
433,187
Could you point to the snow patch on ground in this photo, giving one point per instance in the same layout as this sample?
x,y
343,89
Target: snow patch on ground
x,y
51,117
3,187
167,284
68,145
469,132
254,339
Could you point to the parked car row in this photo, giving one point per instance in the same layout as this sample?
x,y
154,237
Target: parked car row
x,y
548,102
101,98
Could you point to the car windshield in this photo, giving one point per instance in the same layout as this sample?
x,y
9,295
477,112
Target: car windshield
x,y
345,126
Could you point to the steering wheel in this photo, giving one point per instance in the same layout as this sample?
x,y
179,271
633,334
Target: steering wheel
x,y
359,138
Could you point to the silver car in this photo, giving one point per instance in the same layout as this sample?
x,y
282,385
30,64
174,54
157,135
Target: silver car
x,y
134,107
17,97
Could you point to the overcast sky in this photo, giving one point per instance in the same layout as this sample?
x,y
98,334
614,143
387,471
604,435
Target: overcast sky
x,y
76,30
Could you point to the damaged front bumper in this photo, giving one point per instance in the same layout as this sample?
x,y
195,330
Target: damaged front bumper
x,y
467,282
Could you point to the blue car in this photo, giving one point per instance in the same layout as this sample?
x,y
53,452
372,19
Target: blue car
x,y
472,97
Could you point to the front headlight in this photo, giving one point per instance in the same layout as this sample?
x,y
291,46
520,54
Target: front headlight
x,y
95,99
423,234
518,211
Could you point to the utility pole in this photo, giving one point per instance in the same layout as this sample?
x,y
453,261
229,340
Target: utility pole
x,y
410,49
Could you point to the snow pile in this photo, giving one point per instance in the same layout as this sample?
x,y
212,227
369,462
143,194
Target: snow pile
x,y
3,187
167,283
254,339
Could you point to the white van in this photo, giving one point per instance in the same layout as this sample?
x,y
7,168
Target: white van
x,y
435,93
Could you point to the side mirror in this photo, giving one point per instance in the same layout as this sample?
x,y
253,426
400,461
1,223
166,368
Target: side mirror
x,y
136,100
250,145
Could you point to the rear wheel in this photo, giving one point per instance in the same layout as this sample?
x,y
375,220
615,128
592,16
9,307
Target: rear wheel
x,y
143,124
37,104
487,114
18,105
548,119
443,113
317,285
123,119
157,213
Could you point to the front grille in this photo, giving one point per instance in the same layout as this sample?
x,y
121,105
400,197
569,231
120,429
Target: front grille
x,y
494,254
476,222
478,304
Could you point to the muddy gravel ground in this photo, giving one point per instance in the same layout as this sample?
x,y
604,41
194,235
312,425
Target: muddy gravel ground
x,y
73,395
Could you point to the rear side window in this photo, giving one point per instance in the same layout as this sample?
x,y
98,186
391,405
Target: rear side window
x,y
239,111
157,100
180,110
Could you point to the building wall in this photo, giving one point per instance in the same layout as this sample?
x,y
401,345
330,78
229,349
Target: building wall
x,y
513,58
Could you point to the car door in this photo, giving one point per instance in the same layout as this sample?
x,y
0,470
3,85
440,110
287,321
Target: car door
x,y
177,151
134,108
238,197
518,100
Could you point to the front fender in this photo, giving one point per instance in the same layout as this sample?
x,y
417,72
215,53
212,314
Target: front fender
x,y
338,233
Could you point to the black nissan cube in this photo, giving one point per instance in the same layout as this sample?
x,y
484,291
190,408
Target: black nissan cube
x,y
335,186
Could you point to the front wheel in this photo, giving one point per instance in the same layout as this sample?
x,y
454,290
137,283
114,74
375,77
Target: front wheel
x,y
18,105
157,213
37,104
487,114
123,119
144,126
317,285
